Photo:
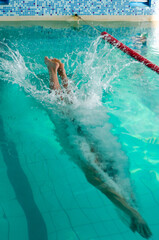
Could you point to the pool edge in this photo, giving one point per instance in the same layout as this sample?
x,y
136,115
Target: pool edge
x,y
130,18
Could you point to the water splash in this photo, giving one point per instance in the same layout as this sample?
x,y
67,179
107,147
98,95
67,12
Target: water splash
x,y
86,120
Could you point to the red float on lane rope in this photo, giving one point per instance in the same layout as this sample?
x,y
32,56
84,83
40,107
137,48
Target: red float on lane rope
x,y
109,38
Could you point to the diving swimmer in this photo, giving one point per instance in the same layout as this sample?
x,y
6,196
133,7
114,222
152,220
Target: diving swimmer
x,y
95,177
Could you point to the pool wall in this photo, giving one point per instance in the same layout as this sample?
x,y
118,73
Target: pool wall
x,y
64,9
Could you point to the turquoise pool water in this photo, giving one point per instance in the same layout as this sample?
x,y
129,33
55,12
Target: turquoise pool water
x,y
44,194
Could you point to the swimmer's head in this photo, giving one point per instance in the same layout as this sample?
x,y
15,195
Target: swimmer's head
x,y
143,35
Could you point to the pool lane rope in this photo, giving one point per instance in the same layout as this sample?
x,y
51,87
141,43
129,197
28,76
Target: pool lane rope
x,y
113,41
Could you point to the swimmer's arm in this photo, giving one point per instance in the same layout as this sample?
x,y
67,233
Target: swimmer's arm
x,y
137,222
95,178
118,200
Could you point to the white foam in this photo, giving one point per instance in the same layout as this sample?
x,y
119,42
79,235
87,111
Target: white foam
x,y
91,76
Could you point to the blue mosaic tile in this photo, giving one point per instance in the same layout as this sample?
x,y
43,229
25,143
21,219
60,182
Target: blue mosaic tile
x,y
69,7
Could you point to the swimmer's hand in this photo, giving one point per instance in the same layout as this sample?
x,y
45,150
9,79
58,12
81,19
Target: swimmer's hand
x,y
139,225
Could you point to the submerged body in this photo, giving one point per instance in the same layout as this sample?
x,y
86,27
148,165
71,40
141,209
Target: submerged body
x,y
93,171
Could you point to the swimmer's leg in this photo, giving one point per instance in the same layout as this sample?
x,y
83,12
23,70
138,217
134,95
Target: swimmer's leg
x,y
62,73
53,68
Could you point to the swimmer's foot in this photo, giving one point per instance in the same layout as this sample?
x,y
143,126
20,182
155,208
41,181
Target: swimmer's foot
x,y
61,69
52,65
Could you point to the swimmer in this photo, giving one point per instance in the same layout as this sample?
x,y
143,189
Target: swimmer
x,y
140,39
56,66
95,177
